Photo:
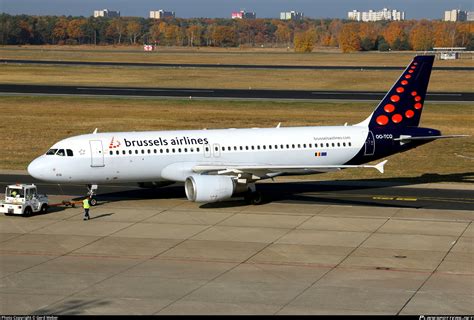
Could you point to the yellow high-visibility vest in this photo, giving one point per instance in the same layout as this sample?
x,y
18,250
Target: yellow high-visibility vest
x,y
85,203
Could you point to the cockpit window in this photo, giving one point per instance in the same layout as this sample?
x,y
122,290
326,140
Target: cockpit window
x,y
69,152
51,152
61,153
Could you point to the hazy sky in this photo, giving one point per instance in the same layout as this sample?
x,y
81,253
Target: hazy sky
x,y
414,9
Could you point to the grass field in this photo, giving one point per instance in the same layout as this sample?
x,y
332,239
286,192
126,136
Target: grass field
x,y
225,78
271,56
30,125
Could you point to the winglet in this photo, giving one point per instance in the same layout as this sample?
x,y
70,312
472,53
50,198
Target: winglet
x,y
278,125
379,166
95,131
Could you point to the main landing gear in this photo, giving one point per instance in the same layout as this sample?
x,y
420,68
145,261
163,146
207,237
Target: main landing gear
x,y
252,196
91,189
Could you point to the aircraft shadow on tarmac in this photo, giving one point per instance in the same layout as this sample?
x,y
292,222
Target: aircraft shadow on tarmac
x,y
340,192
73,307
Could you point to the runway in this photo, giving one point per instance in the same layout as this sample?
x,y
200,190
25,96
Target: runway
x,y
220,93
307,251
219,66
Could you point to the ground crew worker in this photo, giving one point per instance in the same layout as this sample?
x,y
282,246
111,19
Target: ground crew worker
x,y
86,205
13,193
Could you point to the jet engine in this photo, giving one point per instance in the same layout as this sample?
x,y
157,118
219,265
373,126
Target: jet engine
x,y
209,188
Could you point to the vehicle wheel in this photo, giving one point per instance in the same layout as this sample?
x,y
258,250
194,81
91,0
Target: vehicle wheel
x,y
44,209
93,201
28,212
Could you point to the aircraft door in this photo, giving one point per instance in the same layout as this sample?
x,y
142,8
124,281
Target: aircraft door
x,y
97,153
369,145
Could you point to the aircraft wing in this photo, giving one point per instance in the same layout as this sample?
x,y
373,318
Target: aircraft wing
x,y
273,170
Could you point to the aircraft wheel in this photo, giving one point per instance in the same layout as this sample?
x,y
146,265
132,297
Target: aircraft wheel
x,y
255,198
93,201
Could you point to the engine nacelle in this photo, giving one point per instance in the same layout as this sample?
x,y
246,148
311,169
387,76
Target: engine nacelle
x,y
209,188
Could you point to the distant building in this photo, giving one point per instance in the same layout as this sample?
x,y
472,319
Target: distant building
x,y
371,15
160,14
106,13
292,15
354,15
243,15
470,16
455,15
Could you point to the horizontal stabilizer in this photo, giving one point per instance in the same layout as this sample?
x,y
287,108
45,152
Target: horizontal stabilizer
x,y
409,138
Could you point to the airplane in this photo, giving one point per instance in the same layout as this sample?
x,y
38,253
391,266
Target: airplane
x,y
216,164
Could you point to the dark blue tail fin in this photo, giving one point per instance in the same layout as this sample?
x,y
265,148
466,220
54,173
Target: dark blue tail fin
x,y
403,103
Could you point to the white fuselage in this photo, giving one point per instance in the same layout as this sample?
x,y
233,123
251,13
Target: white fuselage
x,y
114,157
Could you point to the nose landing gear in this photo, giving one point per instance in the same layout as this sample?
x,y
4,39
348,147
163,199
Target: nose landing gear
x,y
91,189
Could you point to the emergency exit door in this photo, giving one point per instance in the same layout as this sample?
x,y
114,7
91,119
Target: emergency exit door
x,y
97,153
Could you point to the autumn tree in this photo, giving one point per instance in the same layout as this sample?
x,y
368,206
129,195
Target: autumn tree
x,y
60,29
421,36
194,33
349,39
134,29
75,29
116,29
283,34
304,41
224,36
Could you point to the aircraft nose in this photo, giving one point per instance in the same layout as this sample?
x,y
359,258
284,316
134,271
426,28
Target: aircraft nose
x,y
36,168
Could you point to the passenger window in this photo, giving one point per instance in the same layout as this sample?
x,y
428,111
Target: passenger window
x,y
185,149
51,152
293,146
264,147
332,144
154,151
338,144
117,152
197,149
69,153
235,148
327,145
299,145
241,148
149,151
223,148
246,147
136,151
343,144
124,152
253,147
258,147
60,153
129,151
111,152
161,150
349,144
143,151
